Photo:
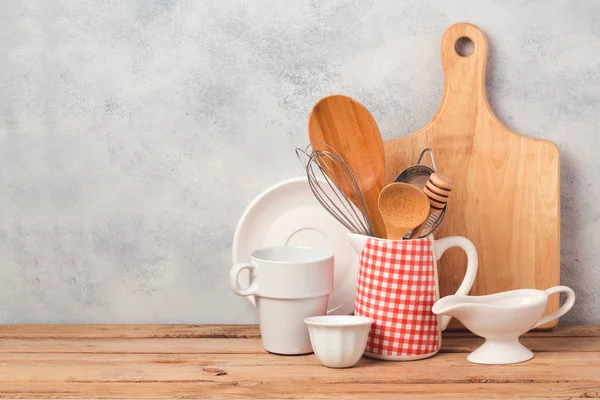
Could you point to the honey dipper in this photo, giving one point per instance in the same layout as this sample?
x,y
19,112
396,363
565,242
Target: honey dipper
x,y
437,189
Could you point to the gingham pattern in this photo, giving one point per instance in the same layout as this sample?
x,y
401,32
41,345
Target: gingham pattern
x,y
397,288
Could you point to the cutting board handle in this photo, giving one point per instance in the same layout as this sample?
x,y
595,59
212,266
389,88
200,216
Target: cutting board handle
x,y
464,75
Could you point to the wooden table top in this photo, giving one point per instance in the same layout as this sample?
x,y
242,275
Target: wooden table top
x,y
228,361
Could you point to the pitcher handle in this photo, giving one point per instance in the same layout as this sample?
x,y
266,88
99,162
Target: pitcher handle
x,y
440,246
564,309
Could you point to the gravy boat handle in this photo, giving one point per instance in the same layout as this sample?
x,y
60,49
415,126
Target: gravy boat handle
x,y
440,246
564,309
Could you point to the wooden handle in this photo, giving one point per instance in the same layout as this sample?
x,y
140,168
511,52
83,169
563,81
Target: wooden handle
x,y
462,74
416,233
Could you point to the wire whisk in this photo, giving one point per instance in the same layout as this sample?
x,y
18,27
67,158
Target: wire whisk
x,y
334,185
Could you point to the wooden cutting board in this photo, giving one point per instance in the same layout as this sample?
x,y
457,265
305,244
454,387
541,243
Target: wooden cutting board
x,y
506,186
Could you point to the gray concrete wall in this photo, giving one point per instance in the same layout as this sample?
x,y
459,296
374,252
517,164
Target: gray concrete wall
x,y
134,133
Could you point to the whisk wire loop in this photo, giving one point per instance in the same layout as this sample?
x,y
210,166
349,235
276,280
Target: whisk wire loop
x,y
335,187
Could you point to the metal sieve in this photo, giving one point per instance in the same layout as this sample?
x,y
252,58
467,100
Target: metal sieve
x,y
418,175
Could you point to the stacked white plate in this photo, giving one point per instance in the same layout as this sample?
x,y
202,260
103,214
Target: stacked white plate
x,y
288,214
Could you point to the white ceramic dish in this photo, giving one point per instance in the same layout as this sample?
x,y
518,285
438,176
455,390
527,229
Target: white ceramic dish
x,y
339,341
288,214
501,318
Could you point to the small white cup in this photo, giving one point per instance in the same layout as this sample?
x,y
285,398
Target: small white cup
x,y
339,341
289,284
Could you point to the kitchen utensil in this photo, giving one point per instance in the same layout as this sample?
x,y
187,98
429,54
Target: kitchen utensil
x,y
347,126
437,189
438,182
337,197
339,341
290,284
502,318
506,196
397,286
287,214
418,175
403,207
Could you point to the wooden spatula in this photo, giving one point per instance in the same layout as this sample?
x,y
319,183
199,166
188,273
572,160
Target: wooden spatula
x,y
403,207
347,126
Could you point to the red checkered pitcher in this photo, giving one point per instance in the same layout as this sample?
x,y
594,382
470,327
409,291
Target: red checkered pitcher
x,y
397,286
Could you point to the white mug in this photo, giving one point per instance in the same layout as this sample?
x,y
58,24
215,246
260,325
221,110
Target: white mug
x,y
289,284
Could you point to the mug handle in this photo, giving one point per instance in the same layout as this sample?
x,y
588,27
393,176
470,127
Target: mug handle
x,y
564,309
235,285
440,246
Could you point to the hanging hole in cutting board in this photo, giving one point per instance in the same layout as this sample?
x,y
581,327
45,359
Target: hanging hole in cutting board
x,y
464,46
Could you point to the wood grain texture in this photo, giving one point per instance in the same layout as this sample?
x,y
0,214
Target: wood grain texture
x,y
347,126
245,346
480,389
210,331
506,186
547,368
403,207
126,331
195,361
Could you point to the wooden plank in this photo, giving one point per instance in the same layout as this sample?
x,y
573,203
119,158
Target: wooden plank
x,y
132,346
535,344
263,390
210,331
305,370
564,331
249,346
41,331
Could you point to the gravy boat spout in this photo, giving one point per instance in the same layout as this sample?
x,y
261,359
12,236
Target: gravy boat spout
x,y
501,319
454,306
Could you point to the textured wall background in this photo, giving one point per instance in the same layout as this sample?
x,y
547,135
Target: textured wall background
x,y
134,133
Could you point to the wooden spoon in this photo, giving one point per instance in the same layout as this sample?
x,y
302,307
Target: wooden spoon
x,y
347,126
437,189
403,207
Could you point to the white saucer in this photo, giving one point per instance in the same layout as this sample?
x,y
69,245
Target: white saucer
x,y
288,214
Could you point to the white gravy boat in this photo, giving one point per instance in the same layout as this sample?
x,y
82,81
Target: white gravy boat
x,y
501,319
